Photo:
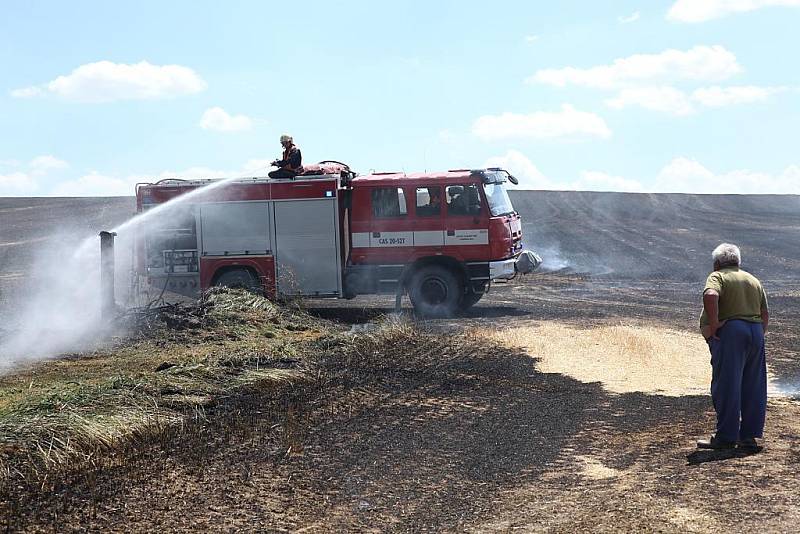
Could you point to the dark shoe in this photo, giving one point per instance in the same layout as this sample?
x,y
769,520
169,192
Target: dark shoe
x,y
750,445
715,443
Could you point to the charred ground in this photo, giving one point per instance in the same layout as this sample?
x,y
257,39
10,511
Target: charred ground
x,y
447,432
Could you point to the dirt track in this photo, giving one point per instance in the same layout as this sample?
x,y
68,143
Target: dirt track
x,y
465,440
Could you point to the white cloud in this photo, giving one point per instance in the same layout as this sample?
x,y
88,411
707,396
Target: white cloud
x,y
630,18
44,164
17,184
676,102
569,122
664,99
24,182
703,10
105,81
727,96
601,181
700,63
94,184
522,168
530,177
684,175
681,175
99,184
531,38
219,120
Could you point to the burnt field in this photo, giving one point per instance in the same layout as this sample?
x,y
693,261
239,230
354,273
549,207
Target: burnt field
x,y
638,258
568,400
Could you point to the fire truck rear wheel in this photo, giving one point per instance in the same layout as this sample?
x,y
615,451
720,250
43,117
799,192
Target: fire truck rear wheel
x,y
238,278
435,291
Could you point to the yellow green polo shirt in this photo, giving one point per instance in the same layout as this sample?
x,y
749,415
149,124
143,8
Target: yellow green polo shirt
x,y
741,295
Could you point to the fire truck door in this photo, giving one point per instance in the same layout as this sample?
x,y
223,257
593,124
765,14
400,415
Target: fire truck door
x,y
466,221
307,247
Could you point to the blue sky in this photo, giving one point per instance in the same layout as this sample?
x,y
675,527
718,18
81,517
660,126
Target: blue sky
x,y
680,95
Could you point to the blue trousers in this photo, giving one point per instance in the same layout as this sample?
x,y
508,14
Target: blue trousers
x,y
739,380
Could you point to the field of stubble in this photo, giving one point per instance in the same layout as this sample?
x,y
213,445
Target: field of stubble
x,y
566,401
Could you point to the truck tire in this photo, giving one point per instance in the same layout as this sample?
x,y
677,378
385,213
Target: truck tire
x,y
239,279
435,291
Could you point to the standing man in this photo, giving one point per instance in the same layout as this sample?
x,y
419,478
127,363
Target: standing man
x,y
291,164
733,322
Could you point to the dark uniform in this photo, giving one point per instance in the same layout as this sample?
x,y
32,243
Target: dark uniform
x,y
290,166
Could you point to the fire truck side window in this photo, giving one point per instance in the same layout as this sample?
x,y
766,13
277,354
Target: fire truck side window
x,y
389,202
463,200
429,201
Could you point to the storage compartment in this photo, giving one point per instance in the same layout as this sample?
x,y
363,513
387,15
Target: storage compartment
x,y
307,250
235,229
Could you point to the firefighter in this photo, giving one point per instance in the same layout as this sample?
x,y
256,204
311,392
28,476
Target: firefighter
x,y
733,322
291,163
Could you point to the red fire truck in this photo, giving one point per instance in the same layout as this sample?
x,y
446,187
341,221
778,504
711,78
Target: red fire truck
x,y
441,238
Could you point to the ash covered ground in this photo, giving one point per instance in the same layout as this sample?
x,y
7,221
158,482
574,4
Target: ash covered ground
x,y
469,441
607,256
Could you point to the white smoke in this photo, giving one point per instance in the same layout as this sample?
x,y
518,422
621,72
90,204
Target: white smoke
x,y
61,303
552,259
779,388
59,312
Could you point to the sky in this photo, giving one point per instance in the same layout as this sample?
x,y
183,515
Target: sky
x,y
690,96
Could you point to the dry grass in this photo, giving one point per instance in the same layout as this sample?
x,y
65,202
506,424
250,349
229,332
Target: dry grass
x,y
69,415
623,358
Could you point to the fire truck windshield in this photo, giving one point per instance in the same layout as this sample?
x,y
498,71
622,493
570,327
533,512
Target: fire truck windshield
x,y
497,196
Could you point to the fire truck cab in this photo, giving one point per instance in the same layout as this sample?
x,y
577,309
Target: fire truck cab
x,y
441,238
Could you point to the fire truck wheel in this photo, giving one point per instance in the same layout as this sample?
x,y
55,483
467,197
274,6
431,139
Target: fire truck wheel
x,y
238,278
435,291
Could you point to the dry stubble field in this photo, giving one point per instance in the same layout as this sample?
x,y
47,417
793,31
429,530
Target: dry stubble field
x,y
567,401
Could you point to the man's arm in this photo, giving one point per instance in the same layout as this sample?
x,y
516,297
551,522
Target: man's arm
x,y
711,305
764,318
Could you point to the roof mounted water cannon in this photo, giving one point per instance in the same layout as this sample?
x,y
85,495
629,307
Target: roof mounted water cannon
x,y
108,304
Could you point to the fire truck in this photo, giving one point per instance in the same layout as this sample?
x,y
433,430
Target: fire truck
x,y
441,238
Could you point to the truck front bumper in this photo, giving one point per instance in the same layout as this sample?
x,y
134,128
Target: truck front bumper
x,y
525,262
502,270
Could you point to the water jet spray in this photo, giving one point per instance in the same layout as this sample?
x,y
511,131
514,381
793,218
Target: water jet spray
x,y
107,301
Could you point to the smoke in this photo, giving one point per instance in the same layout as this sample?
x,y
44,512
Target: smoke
x,y
555,259
552,259
59,310
59,303
781,388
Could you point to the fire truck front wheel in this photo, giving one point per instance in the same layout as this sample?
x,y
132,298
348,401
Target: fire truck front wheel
x,y
238,278
435,291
